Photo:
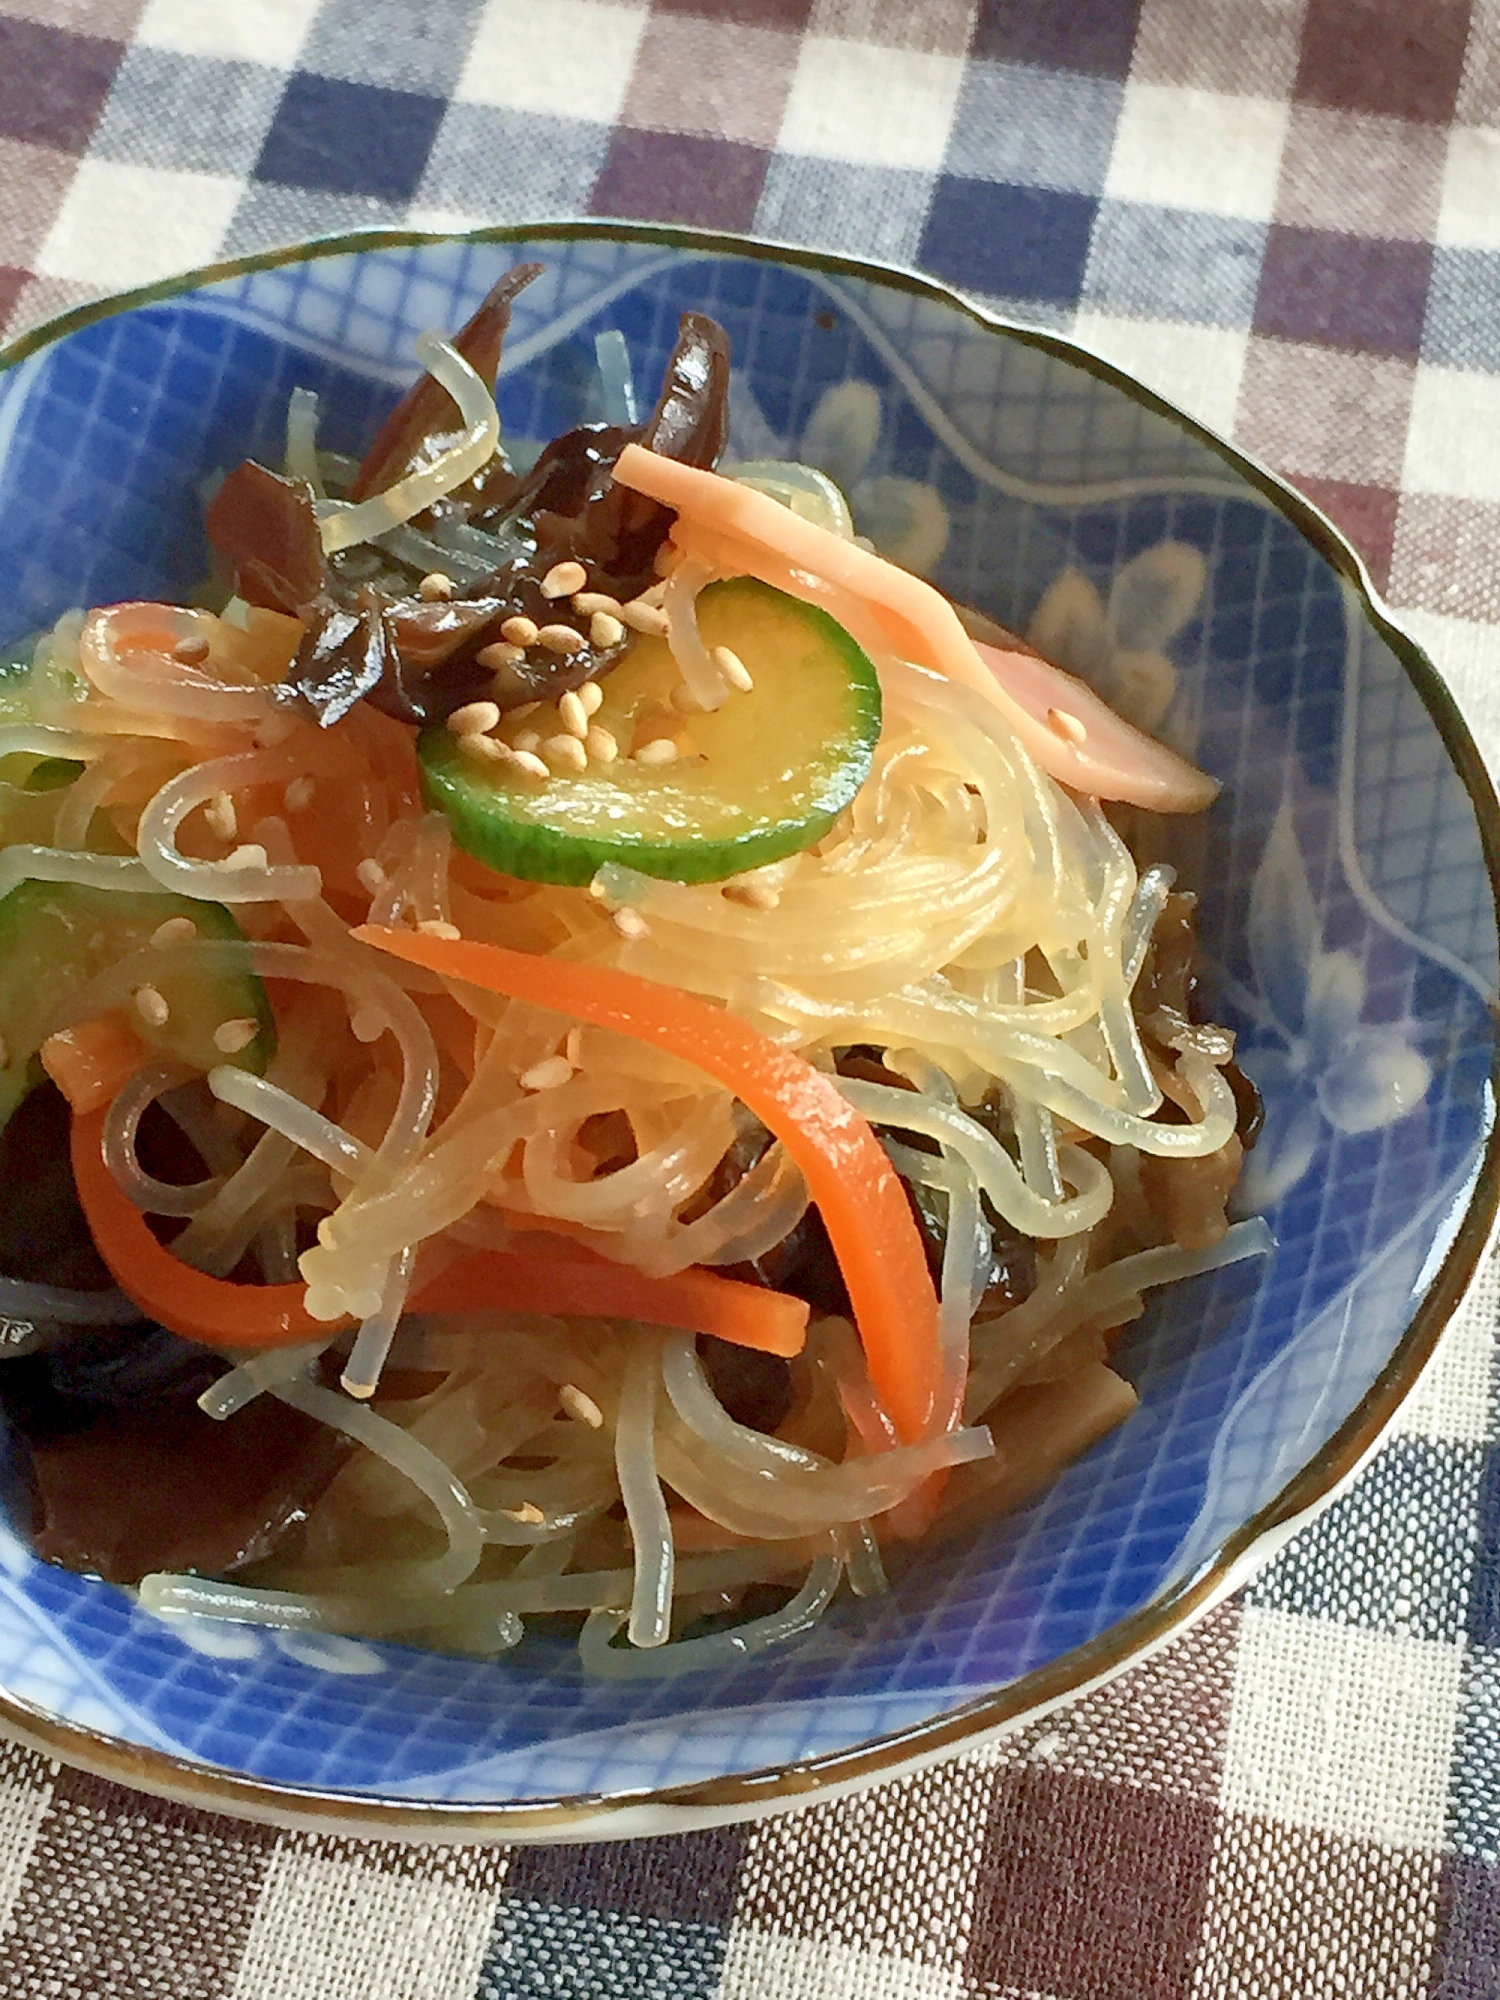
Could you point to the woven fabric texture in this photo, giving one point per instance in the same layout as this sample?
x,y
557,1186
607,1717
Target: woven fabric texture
x,y
1283,214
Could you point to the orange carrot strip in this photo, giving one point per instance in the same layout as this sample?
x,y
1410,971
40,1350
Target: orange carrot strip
x,y
215,1311
90,1062
566,1278
735,529
853,1183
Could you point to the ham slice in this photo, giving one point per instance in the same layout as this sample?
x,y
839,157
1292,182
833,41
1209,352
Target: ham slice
x,y
1073,735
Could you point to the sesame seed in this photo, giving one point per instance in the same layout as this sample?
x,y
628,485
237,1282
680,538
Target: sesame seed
x,y
755,895
221,816
592,697
232,1036
475,718
520,631
370,876
574,716
561,639
643,617
605,630
528,1514
499,655
151,1007
567,751
436,927
190,652
532,765
583,1407
573,1046
587,602
630,924
527,739
298,795
601,745
563,579
1068,726
176,930
654,594
733,668
660,750
548,1074
252,855
435,586
481,749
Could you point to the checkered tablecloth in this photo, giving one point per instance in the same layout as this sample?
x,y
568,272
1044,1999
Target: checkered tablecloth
x,y
1285,215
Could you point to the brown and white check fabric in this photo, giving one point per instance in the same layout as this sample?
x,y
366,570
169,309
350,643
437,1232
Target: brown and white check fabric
x,y
1285,215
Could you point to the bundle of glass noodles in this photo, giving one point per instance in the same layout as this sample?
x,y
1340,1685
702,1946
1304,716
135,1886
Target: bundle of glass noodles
x,y
609,1043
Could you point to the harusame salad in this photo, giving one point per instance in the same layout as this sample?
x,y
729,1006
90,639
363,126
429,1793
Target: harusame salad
x,y
576,1044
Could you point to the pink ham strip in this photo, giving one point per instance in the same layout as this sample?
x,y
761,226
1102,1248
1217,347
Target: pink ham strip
x,y
1073,735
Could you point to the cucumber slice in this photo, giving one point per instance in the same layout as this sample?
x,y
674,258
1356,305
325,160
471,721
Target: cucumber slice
x,y
56,936
760,778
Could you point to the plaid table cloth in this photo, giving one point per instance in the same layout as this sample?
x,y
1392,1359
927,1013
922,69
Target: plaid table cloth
x,y
1285,215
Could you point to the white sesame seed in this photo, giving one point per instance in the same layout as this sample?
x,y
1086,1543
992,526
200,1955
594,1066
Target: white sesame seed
x,y
733,668
252,855
561,639
547,1074
532,765
475,718
643,617
580,1406
483,749
520,631
176,930
605,630
298,795
190,652
370,876
528,1514
601,745
221,816
592,697
573,1046
435,586
567,751
587,602
563,579
436,927
232,1036
630,924
1066,725
527,739
573,715
660,750
151,1007
755,895
499,655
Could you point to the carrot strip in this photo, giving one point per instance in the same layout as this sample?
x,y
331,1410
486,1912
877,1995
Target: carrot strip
x,y
566,1278
853,1183
737,530
215,1311
90,1062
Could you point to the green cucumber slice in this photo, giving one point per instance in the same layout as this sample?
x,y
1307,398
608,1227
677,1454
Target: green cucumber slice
x,y
762,777
56,936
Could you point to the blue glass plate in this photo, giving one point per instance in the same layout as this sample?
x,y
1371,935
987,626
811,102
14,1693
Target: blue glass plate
x,y
1348,914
